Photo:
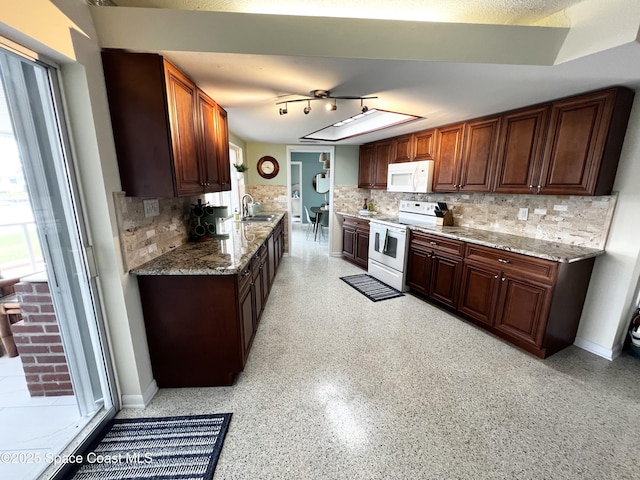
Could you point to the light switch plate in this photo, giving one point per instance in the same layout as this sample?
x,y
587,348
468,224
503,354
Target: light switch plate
x,y
151,207
523,213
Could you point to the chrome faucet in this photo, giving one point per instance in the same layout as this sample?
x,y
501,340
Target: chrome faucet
x,y
245,209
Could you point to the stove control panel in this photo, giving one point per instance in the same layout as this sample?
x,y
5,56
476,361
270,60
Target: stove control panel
x,y
422,208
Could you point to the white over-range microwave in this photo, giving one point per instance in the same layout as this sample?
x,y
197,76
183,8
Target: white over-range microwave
x,y
412,177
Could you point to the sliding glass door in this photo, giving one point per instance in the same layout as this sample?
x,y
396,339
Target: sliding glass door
x,y
34,128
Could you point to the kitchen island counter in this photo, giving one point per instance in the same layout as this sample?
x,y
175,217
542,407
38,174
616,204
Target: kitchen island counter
x,y
213,256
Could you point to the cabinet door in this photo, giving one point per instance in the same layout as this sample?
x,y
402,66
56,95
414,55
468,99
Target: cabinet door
x,y
256,287
520,149
447,166
523,306
578,130
222,144
366,166
419,270
247,319
479,155
402,149
209,154
271,256
362,249
445,279
382,159
478,292
181,97
348,242
424,143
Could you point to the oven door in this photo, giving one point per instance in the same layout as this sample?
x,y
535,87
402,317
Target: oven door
x,y
388,245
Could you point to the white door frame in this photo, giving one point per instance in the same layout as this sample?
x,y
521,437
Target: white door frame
x,y
329,149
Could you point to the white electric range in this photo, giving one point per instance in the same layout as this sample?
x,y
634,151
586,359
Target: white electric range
x,y
389,239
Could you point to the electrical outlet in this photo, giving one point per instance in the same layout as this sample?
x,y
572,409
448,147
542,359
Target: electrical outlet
x,y
282,199
151,207
523,213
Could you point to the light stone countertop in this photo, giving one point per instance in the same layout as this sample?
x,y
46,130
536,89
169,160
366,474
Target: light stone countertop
x,y
557,252
214,256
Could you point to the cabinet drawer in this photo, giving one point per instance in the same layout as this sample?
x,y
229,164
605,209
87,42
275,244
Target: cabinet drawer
x,y
515,263
425,241
356,224
244,279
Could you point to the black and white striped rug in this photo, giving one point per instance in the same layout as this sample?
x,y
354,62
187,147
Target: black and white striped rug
x,y
170,448
372,288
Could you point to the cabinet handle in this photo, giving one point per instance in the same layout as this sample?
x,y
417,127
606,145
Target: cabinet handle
x,y
496,276
502,260
245,273
531,186
503,279
433,243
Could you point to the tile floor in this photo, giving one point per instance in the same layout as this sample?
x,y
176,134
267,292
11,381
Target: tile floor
x,y
339,387
31,427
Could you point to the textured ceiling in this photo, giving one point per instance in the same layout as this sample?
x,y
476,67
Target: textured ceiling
x,y
443,72
508,12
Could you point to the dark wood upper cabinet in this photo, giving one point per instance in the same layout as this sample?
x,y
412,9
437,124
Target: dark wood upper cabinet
x,y
222,144
383,157
477,169
366,166
402,149
165,129
520,148
446,176
570,146
425,145
374,163
207,113
584,142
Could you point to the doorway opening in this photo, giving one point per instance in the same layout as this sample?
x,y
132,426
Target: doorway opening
x,y
315,192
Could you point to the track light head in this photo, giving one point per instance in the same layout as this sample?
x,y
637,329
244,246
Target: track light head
x,y
365,109
307,109
284,111
332,106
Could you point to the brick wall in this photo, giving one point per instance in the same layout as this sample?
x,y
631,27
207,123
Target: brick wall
x,y
39,343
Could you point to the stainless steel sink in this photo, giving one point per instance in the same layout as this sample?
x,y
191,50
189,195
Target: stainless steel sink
x,y
260,217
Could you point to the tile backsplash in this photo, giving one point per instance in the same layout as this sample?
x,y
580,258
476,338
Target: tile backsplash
x,y
574,220
582,221
145,238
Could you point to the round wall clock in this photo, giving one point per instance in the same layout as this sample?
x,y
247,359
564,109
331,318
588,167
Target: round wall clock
x,y
268,167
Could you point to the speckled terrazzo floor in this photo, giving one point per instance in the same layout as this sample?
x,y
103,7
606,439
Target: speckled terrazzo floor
x,y
340,387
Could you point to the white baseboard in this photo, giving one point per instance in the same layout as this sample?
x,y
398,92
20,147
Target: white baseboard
x,y
604,352
140,401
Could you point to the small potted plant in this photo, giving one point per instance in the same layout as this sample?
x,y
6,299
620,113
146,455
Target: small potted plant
x,y
240,169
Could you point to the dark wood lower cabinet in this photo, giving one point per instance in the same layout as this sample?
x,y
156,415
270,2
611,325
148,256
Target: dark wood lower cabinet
x,y
355,241
533,303
479,292
434,266
200,328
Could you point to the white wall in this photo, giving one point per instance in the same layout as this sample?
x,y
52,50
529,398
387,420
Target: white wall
x,y
611,296
63,30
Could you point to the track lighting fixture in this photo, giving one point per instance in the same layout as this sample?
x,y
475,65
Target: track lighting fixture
x,y
322,95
